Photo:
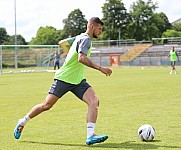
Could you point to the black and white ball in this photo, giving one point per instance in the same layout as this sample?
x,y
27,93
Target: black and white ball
x,y
146,132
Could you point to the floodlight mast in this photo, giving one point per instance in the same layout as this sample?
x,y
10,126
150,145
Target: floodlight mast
x,y
15,37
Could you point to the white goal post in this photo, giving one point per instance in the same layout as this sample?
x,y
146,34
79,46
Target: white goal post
x,y
27,55
1,63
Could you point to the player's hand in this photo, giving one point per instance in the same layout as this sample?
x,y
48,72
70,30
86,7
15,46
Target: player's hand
x,y
106,71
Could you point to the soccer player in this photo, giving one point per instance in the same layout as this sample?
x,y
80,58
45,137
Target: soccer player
x,y
173,58
56,59
70,77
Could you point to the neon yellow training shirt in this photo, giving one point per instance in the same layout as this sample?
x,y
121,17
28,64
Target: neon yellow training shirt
x,y
173,56
72,70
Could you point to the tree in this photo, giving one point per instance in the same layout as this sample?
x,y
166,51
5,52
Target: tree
x,y
59,35
165,25
155,27
3,35
171,33
46,36
177,27
115,18
142,14
74,24
11,40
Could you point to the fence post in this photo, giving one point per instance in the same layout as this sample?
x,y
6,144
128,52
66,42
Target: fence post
x,y
16,56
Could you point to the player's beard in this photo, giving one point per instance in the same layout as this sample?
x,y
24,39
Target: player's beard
x,y
95,36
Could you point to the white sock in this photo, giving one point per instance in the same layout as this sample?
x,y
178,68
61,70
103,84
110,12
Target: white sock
x,y
90,129
25,120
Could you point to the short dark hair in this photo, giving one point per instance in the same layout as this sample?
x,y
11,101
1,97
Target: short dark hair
x,y
96,20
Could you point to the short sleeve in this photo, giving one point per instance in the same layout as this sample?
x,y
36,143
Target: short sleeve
x,y
84,45
71,40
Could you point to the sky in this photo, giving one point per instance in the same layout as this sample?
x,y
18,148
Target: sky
x,y
32,14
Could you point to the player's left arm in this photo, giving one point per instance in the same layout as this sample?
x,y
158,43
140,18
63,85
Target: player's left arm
x,y
86,61
177,56
65,44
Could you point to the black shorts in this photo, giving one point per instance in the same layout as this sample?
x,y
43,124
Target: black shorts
x,y
173,63
59,88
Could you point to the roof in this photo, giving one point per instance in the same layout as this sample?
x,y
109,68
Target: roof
x,y
176,21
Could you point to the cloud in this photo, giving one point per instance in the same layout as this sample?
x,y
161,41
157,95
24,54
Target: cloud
x,y
170,8
32,14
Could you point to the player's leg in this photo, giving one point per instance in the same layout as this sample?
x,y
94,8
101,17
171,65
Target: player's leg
x,y
36,110
85,92
58,64
172,65
49,101
54,65
57,90
46,105
92,101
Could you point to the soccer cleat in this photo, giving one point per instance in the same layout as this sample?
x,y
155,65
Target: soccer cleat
x,y
96,139
18,129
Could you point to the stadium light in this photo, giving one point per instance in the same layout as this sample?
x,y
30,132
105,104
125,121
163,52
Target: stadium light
x,y
15,37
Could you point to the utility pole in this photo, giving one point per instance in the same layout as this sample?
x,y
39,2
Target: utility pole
x,y
15,37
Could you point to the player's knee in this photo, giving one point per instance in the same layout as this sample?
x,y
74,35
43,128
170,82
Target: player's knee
x,y
95,103
46,107
97,107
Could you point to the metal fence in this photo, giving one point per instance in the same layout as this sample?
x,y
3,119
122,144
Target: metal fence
x,y
26,55
21,56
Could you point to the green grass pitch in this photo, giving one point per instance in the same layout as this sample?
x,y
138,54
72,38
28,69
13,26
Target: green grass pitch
x,y
129,98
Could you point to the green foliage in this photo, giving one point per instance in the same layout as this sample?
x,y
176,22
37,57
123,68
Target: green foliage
x,y
3,35
5,39
46,36
171,33
4,65
177,26
129,98
157,25
142,13
115,18
23,65
11,40
59,35
74,24
165,25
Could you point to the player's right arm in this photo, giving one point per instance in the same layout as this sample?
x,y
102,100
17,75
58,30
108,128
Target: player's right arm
x,y
177,56
82,58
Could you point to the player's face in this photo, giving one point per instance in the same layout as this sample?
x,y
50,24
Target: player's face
x,y
97,30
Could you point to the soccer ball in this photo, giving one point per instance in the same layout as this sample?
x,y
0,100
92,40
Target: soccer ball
x,y
146,132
